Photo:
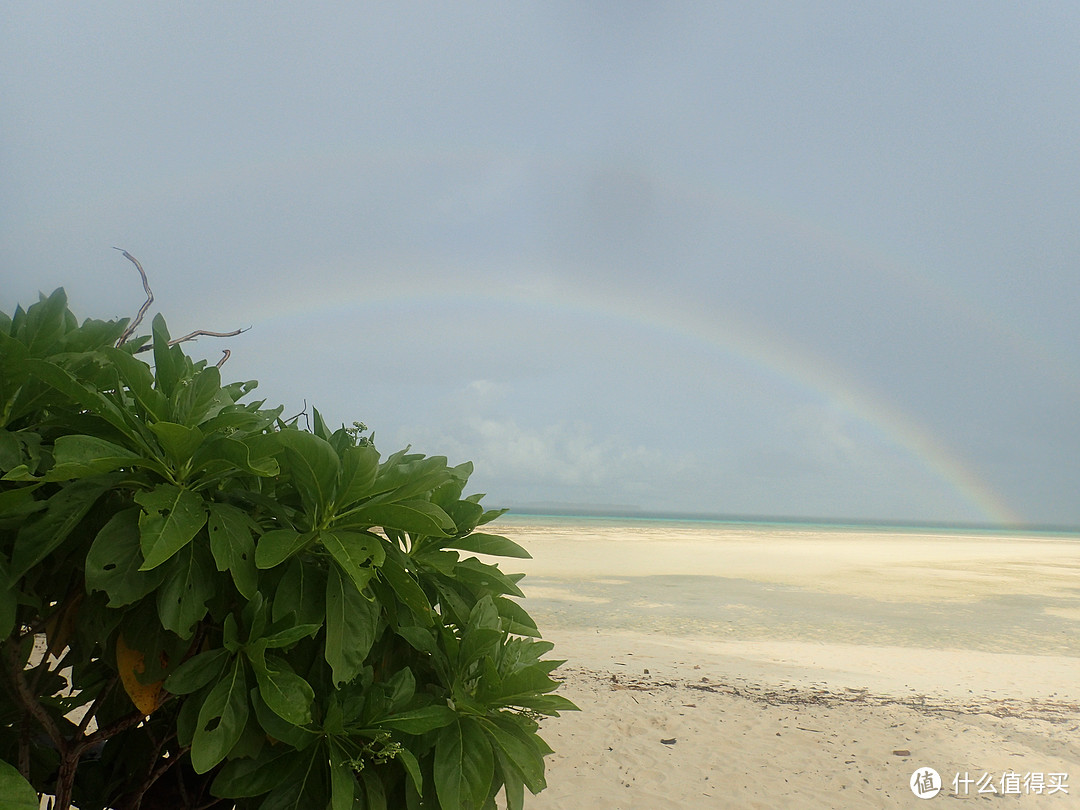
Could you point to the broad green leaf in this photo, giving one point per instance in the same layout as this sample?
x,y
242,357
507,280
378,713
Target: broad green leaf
x,y
113,564
82,456
374,792
178,441
351,623
491,544
420,721
221,719
465,514
286,693
280,729
10,450
513,785
305,789
65,511
353,551
168,360
289,635
518,747
406,588
464,765
412,768
189,584
82,394
275,547
44,323
140,382
235,454
314,466
199,397
518,621
400,688
240,778
486,578
342,779
172,517
415,517
233,546
17,793
359,466
197,672
302,592
406,476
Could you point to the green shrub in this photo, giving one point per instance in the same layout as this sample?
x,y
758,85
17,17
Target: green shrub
x,y
200,600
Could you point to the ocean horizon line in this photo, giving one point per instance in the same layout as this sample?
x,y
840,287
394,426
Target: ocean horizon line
x,y
886,524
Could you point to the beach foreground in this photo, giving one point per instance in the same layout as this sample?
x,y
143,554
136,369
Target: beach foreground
x,y
791,683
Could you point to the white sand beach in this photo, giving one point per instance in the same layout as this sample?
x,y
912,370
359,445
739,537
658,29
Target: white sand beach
x,y
766,667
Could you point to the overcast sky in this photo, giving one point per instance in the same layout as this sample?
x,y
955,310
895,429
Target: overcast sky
x,y
782,259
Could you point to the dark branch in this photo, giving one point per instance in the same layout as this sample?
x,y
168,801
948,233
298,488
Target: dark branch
x,y
146,304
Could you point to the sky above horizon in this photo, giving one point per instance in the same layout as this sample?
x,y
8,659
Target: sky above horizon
x,y
785,259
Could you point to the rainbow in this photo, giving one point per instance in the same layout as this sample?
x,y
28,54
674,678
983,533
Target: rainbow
x,y
758,352
763,352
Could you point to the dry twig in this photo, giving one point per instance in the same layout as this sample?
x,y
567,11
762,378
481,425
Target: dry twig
x,y
146,304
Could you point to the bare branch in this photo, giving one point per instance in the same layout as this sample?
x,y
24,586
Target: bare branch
x,y
28,702
146,304
206,333
227,355
197,333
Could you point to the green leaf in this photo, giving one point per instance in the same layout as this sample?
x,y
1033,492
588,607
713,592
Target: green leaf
x,y
415,517
289,636
240,778
199,397
351,623
65,510
172,518
17,793
306,787
486,578
407,589
82,456
232,545
359,466
302,592
314,466
178,442
221,720
464,765
275,547
286,693
114,562
234,453
197,672
412,768
519,749
189,584
352,550
419,721
342,779
140,382
168,360
491,544
277,727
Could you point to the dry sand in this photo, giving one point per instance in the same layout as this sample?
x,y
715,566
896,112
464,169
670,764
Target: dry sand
x,y
775,667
